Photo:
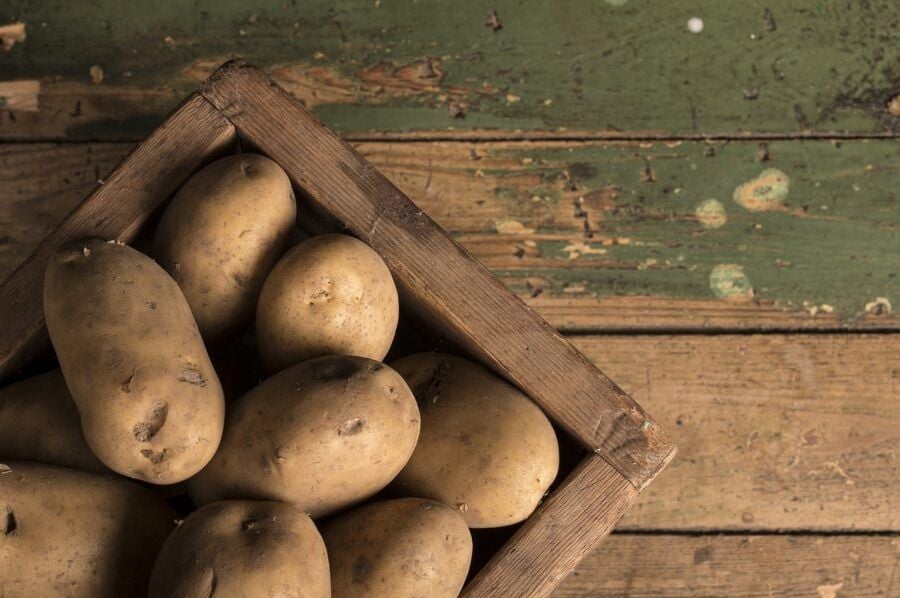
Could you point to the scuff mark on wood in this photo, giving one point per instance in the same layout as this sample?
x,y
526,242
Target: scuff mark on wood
x,y
12,34
19,95
492,22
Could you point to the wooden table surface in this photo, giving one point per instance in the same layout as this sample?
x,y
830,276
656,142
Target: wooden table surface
x,y
712,216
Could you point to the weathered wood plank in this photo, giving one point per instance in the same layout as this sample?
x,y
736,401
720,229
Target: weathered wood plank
x,y
633,566
775,432
580,234
391,66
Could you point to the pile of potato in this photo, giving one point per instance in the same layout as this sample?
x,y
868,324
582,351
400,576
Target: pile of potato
x,y
336,475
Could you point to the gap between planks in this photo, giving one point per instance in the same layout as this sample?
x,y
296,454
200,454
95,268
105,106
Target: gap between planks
x,y
480,136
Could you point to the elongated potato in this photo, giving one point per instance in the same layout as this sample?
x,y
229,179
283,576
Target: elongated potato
x,y
403,548
321,435
329,295
485,447
150,403
221,235
76,534
39,422
243,548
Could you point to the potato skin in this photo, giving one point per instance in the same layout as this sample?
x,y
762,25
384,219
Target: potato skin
x,y
151,405
402,548
329,295
39,422
321,435
221,235
485,447
77,534
243,548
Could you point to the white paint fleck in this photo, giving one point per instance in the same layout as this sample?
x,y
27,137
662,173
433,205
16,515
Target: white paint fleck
x,y
729,282
829,590
695,24
711,214
512,98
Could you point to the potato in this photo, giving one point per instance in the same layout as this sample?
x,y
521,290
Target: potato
x,y
243,548
321,435
72,533
221,235
39,422
329,295
485,447
151,405
400,548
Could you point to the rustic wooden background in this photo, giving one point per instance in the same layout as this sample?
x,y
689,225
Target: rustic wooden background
x,y
712,216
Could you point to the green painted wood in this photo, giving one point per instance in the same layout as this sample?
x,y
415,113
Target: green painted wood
x,y
620,67
610,235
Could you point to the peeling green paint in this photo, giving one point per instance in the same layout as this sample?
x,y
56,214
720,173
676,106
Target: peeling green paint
x,y
567,64
766,192
835,244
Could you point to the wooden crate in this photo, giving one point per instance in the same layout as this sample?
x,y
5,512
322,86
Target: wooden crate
x,y
440,283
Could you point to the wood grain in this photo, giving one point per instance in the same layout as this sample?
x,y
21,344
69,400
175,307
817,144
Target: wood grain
x,y
775,432
141,183
607,67
645,566
460,298
822,271
571,522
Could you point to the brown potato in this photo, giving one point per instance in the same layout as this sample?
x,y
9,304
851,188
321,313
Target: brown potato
x,y
39,422
243,548
151,405
400,548
329,295
76,534
221,235
485,447
321,435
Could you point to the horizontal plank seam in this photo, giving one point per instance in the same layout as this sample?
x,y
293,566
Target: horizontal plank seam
x,y
543,137
679,331
699,533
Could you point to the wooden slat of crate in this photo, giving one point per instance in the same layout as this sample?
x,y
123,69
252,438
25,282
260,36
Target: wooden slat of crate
x,y
147,177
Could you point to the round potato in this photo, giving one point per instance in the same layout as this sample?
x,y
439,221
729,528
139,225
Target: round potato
x,y
221,235
329,295
39,422
151,405
243,548
320,435
485,447
76,534
404,548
